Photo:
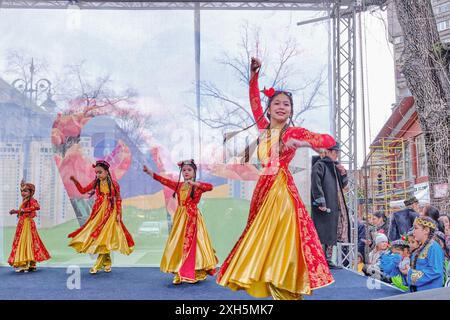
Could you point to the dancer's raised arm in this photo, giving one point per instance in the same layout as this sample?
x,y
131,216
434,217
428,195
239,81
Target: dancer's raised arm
x,y
167,182
80,188
255,99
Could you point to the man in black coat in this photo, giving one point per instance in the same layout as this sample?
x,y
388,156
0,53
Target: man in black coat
x,y
329,210
402,221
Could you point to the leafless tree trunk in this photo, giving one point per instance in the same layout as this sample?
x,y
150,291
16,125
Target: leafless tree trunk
x,y
425,66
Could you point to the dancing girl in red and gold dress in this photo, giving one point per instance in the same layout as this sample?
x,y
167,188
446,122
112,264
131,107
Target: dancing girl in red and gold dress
x,y
104,231
27,248
188,254
279,253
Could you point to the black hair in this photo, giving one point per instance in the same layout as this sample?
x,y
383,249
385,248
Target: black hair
x,y
400,246
265,112
431,212
283,130
379,215
441,225
108,180
193,166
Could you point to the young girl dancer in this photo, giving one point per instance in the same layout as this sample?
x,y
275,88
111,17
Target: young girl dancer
x,y
27,248
189,253
104,231
279,253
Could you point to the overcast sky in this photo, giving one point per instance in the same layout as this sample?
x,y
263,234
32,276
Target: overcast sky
x,y
153,53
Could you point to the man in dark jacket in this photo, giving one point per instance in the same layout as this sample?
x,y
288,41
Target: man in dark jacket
x,y
402,221
329,210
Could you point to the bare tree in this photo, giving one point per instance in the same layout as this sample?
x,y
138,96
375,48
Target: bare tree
x,y
425,64
78,84
228,111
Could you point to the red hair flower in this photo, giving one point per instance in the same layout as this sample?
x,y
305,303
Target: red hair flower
x,y
269,92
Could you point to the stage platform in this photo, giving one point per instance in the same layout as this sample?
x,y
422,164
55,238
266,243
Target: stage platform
x,y
434,294
125,283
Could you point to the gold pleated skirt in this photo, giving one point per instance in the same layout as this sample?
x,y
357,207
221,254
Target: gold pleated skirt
x,y
205,259
269,260
25,254
111,237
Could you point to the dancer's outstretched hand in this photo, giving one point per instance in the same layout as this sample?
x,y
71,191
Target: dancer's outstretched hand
x,y
193,183
294,144
255,64
148,171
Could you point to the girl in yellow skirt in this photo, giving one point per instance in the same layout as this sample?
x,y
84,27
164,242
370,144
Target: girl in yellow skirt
x,y
279,253
104,231
188,253
27,248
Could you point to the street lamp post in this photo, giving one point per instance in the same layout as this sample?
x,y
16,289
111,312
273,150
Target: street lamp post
x,y
30,89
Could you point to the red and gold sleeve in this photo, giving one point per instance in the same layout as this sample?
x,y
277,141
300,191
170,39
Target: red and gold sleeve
x,y
33,206
167,182
86,189
316,140
255,103
204,186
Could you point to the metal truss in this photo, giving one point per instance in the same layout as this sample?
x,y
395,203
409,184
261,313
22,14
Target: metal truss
x,y
344,109
299,5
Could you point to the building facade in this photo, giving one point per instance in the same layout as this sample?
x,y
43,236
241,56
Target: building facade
x,y
397,162
441,10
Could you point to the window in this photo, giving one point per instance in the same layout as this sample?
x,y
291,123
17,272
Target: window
x,y
445,7
408,162
422,170
444,25
398,40
403,162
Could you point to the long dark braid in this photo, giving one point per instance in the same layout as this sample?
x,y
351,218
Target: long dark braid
x,y
193,187
422,247
96,184
193,166
111,186
178,182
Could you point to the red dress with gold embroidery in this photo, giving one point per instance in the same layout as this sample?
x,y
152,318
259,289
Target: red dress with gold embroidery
x,y
103,218
279,252
27,248
188,253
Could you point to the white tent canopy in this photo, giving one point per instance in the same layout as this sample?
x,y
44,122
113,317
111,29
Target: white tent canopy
x,y
423,195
